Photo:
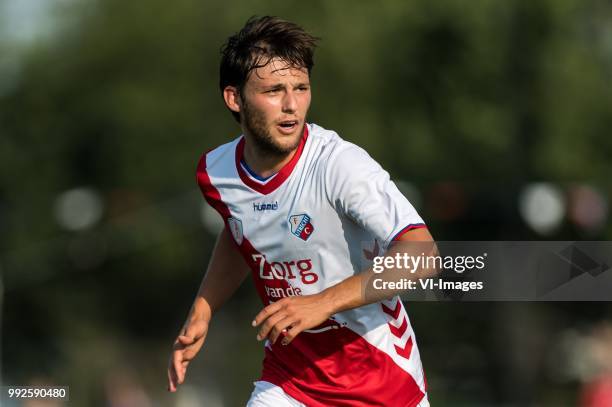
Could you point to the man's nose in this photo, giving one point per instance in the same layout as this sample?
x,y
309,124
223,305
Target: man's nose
x,y
289,102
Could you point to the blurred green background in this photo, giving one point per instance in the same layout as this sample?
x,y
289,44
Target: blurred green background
x,y
494,117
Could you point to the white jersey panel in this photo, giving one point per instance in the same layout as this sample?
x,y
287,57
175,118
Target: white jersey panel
x,y
363,190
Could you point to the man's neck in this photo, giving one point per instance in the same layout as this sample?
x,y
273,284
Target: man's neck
x,y
264,164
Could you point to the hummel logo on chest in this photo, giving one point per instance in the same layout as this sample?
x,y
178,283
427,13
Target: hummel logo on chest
x,y
259,207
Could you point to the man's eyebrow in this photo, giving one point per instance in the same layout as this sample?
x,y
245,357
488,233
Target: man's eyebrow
x,y
282,85
273,86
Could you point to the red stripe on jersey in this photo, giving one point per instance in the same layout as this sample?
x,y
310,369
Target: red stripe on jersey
x,y
392,312
250,254
280,177
408,229
399,331
211,194
405,350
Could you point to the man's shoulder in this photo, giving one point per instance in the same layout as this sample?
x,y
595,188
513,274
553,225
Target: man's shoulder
x,y
329,143
337,151
219,156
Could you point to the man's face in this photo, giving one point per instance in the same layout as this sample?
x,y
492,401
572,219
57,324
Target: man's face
x,y
275,100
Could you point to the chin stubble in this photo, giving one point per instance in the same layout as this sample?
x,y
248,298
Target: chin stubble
x,y
255,123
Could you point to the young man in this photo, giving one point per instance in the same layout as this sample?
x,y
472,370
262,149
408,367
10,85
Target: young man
x,y
300,207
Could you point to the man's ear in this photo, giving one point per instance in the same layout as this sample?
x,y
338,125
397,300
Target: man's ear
x,y
232,98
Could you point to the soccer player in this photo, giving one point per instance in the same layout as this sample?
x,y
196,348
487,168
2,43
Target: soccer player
x,y
303,210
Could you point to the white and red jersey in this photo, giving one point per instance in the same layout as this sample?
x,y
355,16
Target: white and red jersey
x,y
310,226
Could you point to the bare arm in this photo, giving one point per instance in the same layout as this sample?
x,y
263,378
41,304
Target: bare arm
x,y
226,271
292,315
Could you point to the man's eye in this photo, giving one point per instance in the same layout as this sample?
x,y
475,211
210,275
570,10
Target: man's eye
x,y
272,91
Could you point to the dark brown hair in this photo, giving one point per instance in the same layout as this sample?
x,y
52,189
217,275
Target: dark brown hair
x,y
259,41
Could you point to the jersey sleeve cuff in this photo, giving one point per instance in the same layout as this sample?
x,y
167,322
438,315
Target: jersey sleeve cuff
x,y
397,235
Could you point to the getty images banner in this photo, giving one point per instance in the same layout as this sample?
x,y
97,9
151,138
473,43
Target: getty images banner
x,y
490,271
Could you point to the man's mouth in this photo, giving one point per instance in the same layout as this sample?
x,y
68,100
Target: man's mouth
x,y
288,126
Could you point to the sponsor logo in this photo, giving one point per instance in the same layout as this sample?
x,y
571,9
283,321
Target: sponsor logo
x,y
301,226
260,207
285,270
235,227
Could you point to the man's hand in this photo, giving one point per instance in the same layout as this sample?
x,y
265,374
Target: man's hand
x,y
292,315
185,348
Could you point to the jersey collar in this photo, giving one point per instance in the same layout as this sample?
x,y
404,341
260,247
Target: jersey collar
x,y
280,177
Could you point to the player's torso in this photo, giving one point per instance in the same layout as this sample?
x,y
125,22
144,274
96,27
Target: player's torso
x,y
296,242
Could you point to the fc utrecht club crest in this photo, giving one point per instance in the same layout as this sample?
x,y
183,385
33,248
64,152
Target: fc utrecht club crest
x,y
235,226
301,226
